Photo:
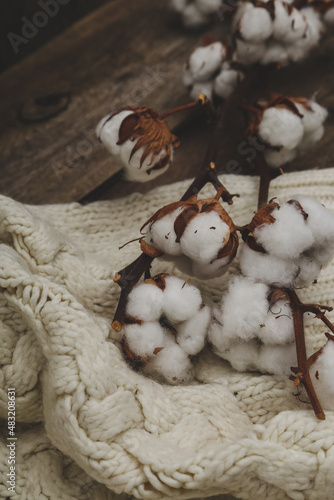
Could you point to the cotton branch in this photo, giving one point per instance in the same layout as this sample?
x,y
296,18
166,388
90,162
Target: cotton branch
x,y
302,374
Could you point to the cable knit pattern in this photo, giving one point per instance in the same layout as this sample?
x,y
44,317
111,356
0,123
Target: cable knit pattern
x,y
109,429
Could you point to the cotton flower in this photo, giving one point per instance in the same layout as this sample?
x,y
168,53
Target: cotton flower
x,y
286,125
211,70
275,32
256,318
196,13
199,230
140,139
288,243
166,322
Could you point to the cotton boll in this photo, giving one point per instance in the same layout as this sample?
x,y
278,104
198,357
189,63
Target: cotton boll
x,y
281,127
243,356
310,139
204,236
276,159
173,364
322,374
300,49
278,325
255,26
144,339
205,88
267,268
204,61
244,308
181,300
193,17
249,53
192,333
277,359
108,129
288,236
227,80
212,270
219,342
161,234
275,53
145,302
312,118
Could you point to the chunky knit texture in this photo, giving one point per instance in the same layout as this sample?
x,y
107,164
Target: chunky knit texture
x,y
228,432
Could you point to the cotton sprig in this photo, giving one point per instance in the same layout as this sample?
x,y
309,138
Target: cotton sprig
x,y
212,71
200,231
165,325
253,328
275,32
287,125
196,13
140,139
288,243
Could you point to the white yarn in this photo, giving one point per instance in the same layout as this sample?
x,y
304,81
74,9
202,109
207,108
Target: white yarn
x,y
227,432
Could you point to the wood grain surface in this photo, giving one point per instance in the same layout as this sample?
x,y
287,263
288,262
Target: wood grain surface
x,y
125,53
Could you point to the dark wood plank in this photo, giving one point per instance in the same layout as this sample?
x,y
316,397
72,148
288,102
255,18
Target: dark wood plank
x,y
122,53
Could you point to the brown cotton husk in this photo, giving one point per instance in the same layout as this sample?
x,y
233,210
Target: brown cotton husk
x,y
150,132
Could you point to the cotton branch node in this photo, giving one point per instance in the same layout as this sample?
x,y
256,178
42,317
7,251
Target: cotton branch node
x,y
164,327
140,139
199,230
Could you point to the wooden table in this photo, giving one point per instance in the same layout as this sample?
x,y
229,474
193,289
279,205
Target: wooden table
x,y
122,53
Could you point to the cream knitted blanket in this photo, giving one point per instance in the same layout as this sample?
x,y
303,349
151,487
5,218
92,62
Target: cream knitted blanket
x,y
87,425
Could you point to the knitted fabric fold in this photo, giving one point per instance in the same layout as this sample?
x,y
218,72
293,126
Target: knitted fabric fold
x,y
245,434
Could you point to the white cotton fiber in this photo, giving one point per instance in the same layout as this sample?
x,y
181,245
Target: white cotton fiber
x,y
204,236
289,25
219,342
212,270
277,359
173,364
249,53
300,49
277,327
161,234
320,220
310,139
137,171
145,302
243,309
178,5
181,300
192,333
267,268
226,81
329,16
208,6
288,236
309,269
193,17
312,118
204,61
243,356
255,25
276,159
187,76
205,88
275,53
108,129
322,374
144,339
281,127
